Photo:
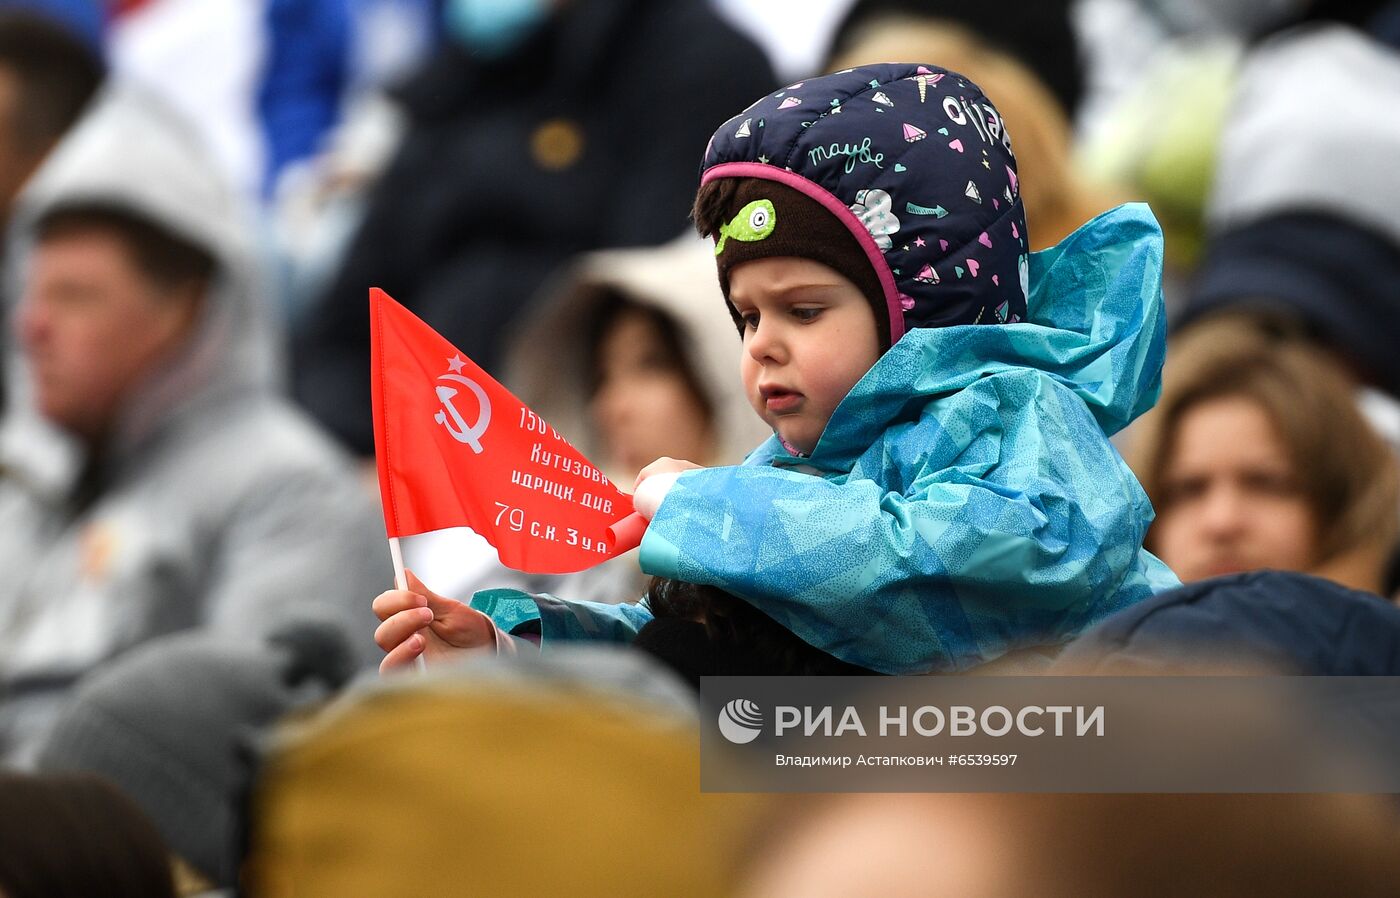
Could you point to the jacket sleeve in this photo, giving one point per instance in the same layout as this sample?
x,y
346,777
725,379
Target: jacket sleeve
x,y
560,620
302,547
1029,530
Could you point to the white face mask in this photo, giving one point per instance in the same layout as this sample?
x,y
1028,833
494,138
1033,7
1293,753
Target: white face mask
x,y
1239,18
493,28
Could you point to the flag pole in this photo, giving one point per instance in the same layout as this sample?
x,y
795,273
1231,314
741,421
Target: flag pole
x,y
401,582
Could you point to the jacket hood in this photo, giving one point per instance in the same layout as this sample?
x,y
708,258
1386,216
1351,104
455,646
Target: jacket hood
x,y
1342,164
548,360
1096,326
917,163
134,154
1292,230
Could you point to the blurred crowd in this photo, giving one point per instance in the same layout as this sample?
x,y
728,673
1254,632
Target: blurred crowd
x,y
196,196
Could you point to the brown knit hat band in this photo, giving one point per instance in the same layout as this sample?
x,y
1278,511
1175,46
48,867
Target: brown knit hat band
x,y
766,219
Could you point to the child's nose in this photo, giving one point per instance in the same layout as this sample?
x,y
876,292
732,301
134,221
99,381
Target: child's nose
x,y
1224,512
765,343
611,403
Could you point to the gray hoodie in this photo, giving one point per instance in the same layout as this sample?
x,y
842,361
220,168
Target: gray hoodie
x,y
219,504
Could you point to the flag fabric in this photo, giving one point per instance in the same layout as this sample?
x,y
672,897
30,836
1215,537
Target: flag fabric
x,y
454,448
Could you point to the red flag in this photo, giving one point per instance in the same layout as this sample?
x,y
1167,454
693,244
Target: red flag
x,y
456,449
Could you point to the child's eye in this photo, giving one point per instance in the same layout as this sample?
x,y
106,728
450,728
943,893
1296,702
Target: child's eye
x,y
1183,489
806,314
750,320
1272,483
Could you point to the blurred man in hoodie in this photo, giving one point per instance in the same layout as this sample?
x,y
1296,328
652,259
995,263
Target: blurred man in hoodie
x,y
150,480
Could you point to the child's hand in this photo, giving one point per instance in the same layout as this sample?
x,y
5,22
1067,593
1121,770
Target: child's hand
x,y
654,482
418,621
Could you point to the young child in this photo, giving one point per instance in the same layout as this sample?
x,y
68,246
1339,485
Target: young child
x,y
940,490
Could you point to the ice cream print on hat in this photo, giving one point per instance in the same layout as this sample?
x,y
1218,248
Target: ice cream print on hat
x,y
916,163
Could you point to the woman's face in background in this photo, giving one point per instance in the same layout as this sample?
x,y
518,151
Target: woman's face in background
x,y
1231,499
644,406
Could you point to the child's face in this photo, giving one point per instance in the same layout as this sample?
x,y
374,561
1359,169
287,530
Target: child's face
x,y
809,335
1231,499
644,407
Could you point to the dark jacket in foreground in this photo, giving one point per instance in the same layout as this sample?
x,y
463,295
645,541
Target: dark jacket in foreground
x,y
1286,621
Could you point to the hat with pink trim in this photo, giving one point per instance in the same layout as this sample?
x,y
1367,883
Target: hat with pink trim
x,y
914,163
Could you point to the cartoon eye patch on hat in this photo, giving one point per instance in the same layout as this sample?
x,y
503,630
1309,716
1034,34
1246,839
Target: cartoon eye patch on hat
x,y
753,223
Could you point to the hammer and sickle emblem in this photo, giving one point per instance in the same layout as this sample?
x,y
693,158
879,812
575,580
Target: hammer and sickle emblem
x,y
461,432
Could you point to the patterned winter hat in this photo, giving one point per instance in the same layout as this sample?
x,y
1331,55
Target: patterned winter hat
x,y
761,218
916,164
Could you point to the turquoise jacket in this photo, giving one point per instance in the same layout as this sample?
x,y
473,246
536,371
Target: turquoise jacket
x,y
964,500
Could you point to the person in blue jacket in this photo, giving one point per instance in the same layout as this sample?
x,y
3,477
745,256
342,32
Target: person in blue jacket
x,y
940,490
